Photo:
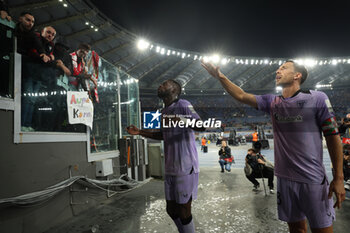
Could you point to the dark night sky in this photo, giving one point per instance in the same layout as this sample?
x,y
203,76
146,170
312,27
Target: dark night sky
x,y
239,27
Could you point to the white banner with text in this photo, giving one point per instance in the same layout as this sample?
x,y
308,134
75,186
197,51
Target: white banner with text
x,y
80,108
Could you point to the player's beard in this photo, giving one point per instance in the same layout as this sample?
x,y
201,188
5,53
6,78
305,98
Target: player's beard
x,y
163,94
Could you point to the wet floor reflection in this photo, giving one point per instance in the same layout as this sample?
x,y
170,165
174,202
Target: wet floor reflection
x,y
226,203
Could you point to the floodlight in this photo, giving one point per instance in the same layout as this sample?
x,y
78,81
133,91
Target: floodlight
x,y
224,61
142,44
309,62
215,58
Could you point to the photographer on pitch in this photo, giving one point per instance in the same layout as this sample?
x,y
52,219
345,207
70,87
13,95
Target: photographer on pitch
x,y
345,123
226,158
260,167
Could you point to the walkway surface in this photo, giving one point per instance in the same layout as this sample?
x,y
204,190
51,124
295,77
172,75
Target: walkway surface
x,y
226,203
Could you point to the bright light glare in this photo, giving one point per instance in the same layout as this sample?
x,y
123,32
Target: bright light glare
x,y
224,61
310,62
142,44
215,58
278,88
323,85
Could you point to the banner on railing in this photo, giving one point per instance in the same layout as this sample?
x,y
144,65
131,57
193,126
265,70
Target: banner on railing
x,y
80,108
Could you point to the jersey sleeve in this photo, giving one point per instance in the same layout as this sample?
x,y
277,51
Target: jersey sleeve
x,y
189,111
325,115
324,108
264,102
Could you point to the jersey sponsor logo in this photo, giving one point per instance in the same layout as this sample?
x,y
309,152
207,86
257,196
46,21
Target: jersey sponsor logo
x,y
288,119
151,120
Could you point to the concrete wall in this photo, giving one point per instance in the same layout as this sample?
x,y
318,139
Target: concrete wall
x,y
30,167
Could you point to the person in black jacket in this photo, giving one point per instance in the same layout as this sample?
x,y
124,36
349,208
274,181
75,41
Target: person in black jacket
x,y
24,31
259,169
226,157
